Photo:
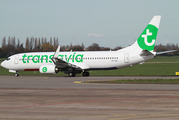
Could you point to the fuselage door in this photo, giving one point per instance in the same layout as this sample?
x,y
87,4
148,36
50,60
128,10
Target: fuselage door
x,y
126,58
16,57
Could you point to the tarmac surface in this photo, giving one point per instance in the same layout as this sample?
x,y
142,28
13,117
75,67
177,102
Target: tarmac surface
x,y
61,98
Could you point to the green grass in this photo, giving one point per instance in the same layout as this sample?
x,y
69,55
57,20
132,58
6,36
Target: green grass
x,y
161,69
165,59
1,59
140,81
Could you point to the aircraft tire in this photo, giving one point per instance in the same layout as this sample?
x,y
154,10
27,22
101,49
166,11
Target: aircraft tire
x,y
16,75
85,74
71,74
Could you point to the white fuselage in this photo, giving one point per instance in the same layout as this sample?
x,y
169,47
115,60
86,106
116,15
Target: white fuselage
x,y
85,60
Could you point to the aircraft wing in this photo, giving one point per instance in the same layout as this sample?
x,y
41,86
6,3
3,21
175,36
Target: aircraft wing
x,y
159,53
61,64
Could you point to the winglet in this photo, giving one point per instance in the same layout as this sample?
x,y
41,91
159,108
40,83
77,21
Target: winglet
x,y
57,52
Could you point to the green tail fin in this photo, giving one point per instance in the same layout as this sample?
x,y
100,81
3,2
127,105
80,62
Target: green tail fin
x,y
147,39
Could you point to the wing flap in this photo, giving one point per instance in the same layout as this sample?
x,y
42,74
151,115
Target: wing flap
x,y
63,64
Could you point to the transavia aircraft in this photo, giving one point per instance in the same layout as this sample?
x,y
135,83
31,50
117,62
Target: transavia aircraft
x,y
73,63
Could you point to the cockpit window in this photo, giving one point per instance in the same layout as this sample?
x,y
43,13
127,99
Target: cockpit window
x,y
8,58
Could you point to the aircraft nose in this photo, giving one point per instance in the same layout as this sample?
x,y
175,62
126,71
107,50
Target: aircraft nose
x,y
3,64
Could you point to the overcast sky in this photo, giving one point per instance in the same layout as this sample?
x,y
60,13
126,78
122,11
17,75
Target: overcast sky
x,y
109,23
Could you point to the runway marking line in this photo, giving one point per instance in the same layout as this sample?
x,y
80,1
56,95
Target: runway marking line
x,y
43,105
77,82
83,81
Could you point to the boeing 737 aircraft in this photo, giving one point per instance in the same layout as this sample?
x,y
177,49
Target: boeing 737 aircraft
x,y
73,63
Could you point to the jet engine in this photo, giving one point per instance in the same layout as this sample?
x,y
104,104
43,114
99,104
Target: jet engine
x,y
49,69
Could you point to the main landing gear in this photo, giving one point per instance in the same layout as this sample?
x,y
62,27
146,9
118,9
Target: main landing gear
x,y
85,74
71,74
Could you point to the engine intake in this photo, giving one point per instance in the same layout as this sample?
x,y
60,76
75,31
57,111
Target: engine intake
x,y
48,69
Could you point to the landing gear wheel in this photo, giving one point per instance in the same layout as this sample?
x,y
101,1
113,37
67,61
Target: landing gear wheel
x,y
85,74
71,74
17,74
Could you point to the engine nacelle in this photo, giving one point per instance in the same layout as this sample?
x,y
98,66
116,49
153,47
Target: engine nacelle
x,y
49,69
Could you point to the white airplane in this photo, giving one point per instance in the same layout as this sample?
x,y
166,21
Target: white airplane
x,y
73,63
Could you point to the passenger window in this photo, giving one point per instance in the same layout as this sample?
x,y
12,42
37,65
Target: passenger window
x,y
8,58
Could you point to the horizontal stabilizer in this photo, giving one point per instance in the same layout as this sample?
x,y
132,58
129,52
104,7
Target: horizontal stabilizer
x,y
146,53
159,53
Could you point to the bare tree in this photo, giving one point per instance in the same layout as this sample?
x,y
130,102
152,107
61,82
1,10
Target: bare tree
x,y
70,46
18,44
13,41
50,40
77,48
45,40
57,44
9,40
117,48
42,41
21,48
94,47
82,45
27,44
4,42
31,43
105,49
39,45
35,44
54,42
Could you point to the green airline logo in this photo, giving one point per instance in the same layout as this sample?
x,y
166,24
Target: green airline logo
x,y
147,39
47,58
44,69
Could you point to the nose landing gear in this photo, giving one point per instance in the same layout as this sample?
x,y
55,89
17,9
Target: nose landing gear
x,y
16,74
